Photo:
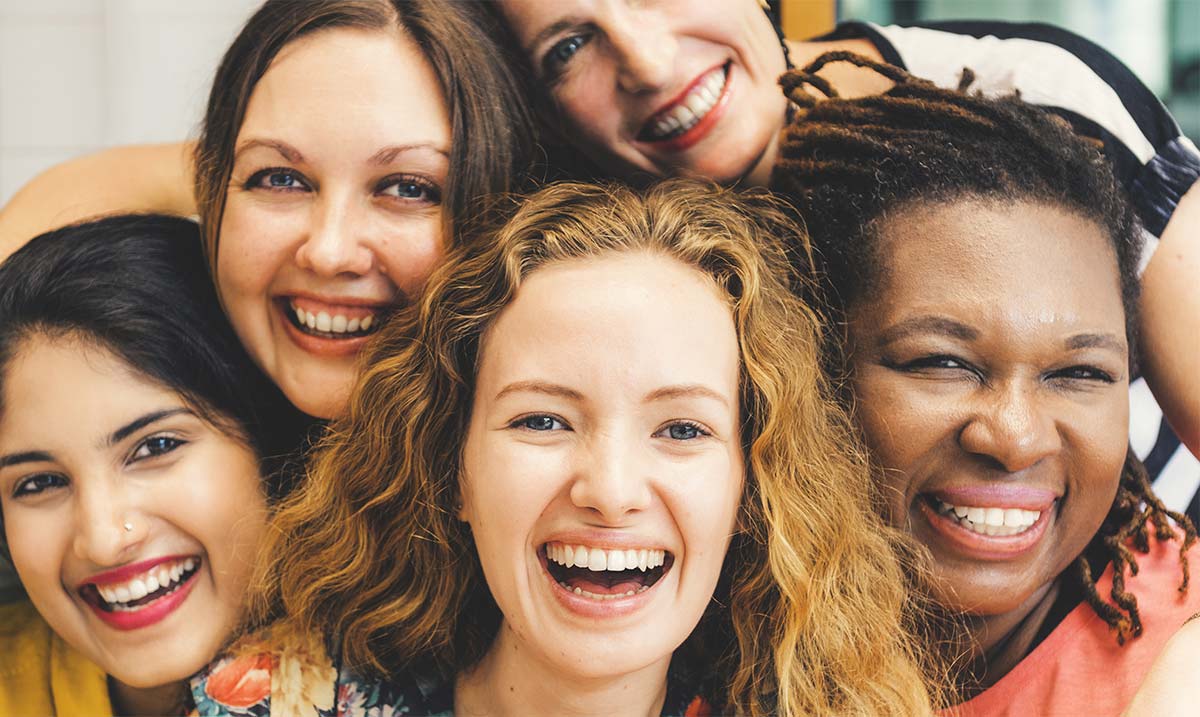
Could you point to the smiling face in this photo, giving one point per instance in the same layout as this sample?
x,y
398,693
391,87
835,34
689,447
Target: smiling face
x,y
666,87
603,464
152,604
990,373
333,214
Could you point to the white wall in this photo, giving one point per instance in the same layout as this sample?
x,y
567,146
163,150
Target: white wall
x,y
79,75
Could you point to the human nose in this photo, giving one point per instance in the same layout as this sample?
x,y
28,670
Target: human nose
x,y
1012,427
107,526
613,480
334,243
645,50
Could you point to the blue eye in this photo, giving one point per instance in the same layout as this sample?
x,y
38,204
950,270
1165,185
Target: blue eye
x,y
276,179
155,446
561,53
410,189
35,484
538,422
682,431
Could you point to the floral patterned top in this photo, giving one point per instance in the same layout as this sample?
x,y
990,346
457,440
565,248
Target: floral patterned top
x,y
298,679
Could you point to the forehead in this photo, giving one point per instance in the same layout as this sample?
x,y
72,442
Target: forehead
x,y
1021,259
639,319
334,84
55,388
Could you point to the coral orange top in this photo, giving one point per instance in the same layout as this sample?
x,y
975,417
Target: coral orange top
x,y
1079,669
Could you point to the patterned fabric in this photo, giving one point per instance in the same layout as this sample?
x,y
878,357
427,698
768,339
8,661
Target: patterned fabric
x,y
298,679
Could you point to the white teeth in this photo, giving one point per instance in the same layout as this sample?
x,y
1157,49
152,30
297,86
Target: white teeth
x,y
153,580
597,559
334,324
137,589
698,103
991,521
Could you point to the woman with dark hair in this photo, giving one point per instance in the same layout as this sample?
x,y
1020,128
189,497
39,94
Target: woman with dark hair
x,y
670,87
139,451
340,158
982,263
596,470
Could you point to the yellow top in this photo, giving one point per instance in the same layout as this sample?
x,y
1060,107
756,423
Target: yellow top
x,y
42,675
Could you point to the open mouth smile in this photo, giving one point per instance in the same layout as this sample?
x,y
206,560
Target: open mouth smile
x,y
142,594
601,574
348,322
987,532
688,118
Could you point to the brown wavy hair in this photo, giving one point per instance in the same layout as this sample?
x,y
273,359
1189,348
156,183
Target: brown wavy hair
x,y
810,615
484,100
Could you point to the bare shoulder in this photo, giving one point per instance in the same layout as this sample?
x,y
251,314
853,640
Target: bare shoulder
x,y
1170,686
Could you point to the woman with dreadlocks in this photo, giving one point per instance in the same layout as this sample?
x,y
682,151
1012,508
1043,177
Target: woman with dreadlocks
x,y
983,267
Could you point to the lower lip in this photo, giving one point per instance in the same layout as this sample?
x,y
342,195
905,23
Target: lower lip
x,y
986,547
588,607
701,129
148,614
318,345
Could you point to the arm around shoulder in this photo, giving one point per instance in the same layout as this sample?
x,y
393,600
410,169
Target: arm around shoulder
x,y
1170,686
1170,321
142,178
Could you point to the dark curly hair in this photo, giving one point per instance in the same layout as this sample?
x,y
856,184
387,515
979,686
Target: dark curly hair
x,y
847,164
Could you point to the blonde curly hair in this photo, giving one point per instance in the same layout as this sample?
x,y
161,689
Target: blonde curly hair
x,y
811,613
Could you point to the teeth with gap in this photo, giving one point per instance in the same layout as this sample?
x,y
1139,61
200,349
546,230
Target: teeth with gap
x,y
335,324
991,521
160,576
698,103
597,559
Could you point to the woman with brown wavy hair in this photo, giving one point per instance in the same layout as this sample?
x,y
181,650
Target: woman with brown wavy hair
x,y
595,470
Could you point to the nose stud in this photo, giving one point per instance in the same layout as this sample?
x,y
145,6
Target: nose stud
x,y
127,526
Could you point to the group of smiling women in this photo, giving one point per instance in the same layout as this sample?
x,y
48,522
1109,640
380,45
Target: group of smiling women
x,y
836,423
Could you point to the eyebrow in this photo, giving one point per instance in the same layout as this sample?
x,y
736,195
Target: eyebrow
x,y
387,154
289,152
139,423
928,324
550,389
689,390
117,436
1097,341
13,459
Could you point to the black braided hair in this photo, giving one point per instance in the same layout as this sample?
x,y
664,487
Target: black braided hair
x,y
846,164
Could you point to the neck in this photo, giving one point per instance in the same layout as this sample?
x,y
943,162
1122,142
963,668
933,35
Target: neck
x,y
165,699
511,681
1002,641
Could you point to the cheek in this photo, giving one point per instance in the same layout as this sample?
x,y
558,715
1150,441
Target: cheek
x,y
38,543
411,253
254,247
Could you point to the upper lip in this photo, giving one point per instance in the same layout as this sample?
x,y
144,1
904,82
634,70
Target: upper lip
x,y
998,495
127,571
607,540
679,97
348,300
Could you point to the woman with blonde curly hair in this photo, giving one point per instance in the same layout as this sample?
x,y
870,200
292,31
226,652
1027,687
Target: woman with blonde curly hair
x,y
596,470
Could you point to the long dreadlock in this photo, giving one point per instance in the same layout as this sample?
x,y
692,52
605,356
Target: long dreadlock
x,y
847,163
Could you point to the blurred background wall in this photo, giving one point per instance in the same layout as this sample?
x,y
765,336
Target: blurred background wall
x,y
79,75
